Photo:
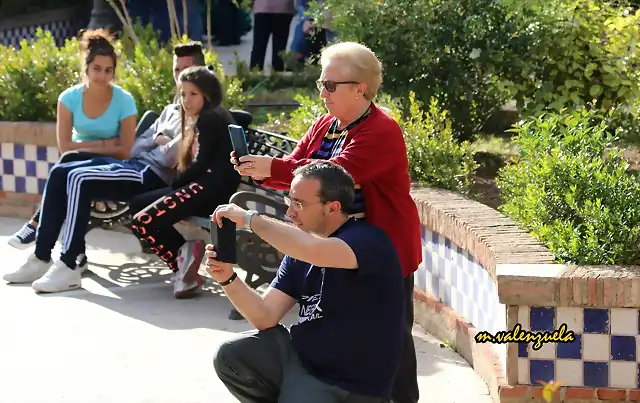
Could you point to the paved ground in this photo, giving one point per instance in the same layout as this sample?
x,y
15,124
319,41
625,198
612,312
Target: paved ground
x,y
124,339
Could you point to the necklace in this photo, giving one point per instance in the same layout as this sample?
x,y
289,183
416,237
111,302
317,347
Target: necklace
x,y
334,126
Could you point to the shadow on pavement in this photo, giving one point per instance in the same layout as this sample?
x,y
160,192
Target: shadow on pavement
x,y
152,302
123,280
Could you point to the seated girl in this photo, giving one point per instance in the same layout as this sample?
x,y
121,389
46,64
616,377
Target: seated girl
x,y
95,117
205,179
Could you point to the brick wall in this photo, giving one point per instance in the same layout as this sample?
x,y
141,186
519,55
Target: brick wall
x,y
481,272
27,152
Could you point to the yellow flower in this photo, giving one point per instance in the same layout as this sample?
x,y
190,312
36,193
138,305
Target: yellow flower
x,y
549,390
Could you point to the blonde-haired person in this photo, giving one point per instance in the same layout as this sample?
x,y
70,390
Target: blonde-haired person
x,y
357,135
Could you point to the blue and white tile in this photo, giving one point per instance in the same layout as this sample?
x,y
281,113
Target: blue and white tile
x,y
571,372
541,370
30,152
596,374
9,183
624,321
596,347
52,154
546,352
31,184
571,350
523,317
572,317
523,371
623,348
20,167
596,320
623,374
542,318
6,151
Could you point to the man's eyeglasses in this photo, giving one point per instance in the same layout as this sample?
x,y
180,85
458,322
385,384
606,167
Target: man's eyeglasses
x,y
298,205
331,86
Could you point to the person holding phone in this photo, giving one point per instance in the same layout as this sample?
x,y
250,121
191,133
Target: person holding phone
x,y
359,136
345,276
205,179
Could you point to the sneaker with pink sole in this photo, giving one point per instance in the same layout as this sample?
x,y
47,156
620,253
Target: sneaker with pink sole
x,y
189,259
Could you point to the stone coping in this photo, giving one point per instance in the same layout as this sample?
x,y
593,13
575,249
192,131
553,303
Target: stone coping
x,y
569,286
36,133
492,238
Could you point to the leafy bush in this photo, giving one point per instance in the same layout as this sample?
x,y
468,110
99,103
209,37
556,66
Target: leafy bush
x,y
441,49
475,55
574,52
300,77
570,188
436,158
32,77
301,119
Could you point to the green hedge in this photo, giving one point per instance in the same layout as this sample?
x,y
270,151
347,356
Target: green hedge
x,y
571,188
32,77
436,157
475,55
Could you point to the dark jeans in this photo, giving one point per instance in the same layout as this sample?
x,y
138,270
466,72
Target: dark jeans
x,y
266,25
154,220
405,388
263,367
68,194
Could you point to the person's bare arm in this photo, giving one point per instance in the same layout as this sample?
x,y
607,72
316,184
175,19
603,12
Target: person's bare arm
x,y
64,133
263,312
64,129
121,148
304,246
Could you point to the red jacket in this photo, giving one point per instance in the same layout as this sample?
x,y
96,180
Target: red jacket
x,y
375,155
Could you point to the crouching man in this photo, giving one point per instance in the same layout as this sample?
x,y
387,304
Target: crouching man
x,y
345,276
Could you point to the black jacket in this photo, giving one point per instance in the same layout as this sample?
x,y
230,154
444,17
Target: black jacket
x,y
212,167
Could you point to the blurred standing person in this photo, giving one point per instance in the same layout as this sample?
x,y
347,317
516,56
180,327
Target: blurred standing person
x,y
308,38
272,19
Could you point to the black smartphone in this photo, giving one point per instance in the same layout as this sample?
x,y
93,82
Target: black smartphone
x,y
224,241
238,141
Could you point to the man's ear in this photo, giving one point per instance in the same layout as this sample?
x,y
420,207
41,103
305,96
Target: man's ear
x,y
334,206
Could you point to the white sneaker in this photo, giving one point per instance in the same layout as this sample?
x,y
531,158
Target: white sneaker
x,y
189,259
182,289
58,278
32,270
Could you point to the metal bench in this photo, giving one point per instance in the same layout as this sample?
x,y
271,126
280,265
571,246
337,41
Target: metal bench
x,y
259,259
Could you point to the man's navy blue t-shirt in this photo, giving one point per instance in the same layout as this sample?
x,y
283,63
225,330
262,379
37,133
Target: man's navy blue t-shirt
x,y
351,322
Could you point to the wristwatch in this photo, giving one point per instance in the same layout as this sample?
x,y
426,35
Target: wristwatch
x,y
247,219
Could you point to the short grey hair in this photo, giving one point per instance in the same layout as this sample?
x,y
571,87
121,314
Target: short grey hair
x,y
335,182
362,63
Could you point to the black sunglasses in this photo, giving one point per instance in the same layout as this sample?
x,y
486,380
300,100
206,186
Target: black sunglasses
x,y
331,86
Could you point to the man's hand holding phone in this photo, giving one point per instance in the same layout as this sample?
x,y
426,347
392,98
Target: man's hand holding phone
x,y
220,271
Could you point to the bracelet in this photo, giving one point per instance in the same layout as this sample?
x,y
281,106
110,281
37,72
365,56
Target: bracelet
x,y
233,277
